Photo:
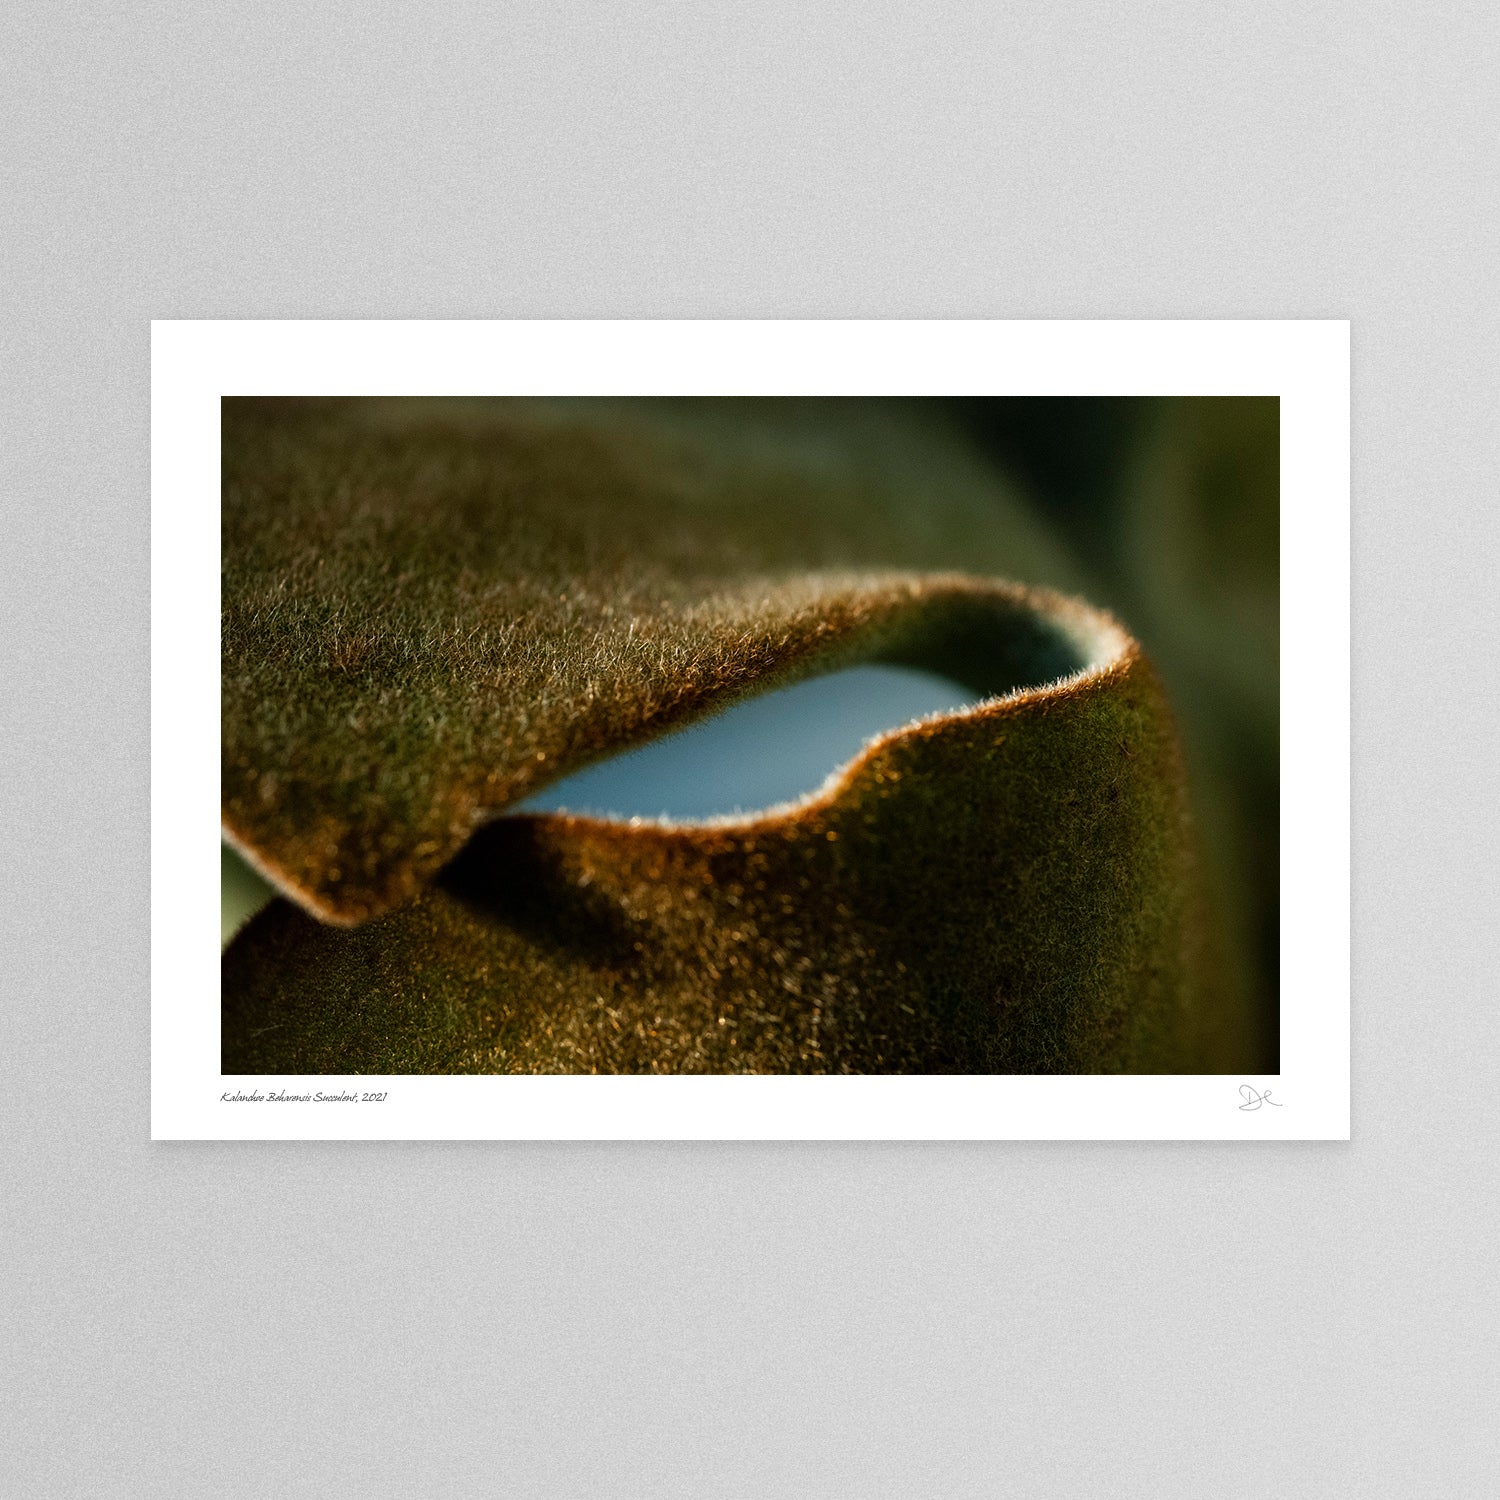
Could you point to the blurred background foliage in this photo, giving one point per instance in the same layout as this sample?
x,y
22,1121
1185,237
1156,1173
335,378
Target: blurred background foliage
x,y
1171,508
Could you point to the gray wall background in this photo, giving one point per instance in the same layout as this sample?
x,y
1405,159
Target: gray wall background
x,y
664,1320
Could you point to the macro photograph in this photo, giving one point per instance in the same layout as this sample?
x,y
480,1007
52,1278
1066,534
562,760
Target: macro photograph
x,y
750,735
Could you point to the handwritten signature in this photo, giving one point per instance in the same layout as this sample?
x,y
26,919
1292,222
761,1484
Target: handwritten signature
x,y
1254,1098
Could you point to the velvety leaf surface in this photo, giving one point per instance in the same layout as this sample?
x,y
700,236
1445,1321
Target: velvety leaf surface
x,y
432,608
1006,890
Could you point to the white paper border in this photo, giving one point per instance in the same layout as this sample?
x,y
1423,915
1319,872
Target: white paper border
x,y
1305,363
